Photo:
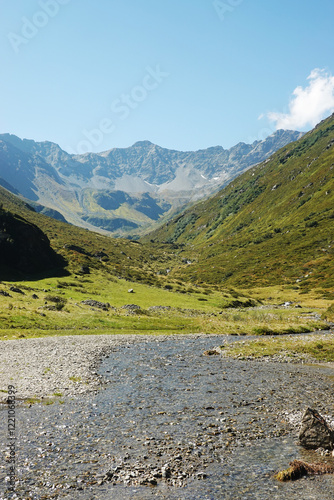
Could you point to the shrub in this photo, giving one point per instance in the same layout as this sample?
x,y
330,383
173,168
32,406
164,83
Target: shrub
x,y
60,302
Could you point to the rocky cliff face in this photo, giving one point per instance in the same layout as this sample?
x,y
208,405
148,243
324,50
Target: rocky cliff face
x,y
24,249
74,184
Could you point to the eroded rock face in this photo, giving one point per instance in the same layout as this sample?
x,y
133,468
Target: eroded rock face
x,y
24,249
315,432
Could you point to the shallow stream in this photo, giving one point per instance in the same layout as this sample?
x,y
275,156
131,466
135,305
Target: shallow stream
x,y
172,423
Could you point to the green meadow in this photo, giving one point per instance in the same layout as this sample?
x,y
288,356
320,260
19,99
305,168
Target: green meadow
x,y
54,306
310,348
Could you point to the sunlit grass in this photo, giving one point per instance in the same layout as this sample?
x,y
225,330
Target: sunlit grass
x,y
199,310
320,348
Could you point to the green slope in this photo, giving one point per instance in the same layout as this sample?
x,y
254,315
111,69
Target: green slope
x,y
273,224
86,250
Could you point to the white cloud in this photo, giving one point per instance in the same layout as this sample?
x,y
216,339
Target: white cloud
x,y
309,105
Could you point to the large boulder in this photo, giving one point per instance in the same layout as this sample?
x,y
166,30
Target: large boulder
x,y
315,432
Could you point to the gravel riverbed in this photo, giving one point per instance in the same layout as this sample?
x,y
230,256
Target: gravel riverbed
x,y
66,365
136,417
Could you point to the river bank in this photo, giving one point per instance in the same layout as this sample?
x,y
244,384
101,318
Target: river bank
x,y
42,368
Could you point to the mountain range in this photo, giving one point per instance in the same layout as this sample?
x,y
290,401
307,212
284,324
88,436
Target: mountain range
x,y
123,191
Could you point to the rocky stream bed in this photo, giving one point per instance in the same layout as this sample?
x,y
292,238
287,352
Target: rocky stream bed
x,y
157,419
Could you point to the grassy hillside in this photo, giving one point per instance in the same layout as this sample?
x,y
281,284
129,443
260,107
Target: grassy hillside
x,y
94,297
86,251
273,224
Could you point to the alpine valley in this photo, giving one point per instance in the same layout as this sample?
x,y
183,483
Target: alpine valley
x,y
268,234
254,259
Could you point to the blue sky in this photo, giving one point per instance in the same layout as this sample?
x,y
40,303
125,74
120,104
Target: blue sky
x,y
184,74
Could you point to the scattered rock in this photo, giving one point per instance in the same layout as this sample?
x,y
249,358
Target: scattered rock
x,y
175,472
96,303
84,270
131,290
323,452
4,293
210,352
132,308
159,308
16,290
315,432
34,296
166,472
54,298
186,261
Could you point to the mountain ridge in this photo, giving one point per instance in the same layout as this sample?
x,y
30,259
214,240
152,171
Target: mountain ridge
x,y
70,184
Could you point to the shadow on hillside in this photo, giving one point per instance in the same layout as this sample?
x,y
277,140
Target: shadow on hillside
x,y
10,274
25,251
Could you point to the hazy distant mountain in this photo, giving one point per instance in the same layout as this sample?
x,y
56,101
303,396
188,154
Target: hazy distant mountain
x,y
124,190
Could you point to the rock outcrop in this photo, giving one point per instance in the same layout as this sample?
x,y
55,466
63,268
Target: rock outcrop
x,y
24,249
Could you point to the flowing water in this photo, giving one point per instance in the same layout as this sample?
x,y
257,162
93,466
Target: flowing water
x,y
219,427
